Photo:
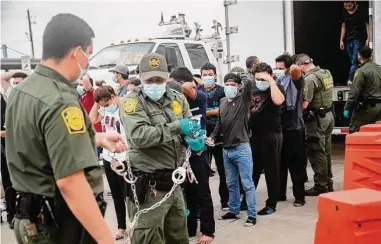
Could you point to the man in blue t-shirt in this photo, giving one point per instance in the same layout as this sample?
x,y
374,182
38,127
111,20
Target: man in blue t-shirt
x,y
215,93
197,194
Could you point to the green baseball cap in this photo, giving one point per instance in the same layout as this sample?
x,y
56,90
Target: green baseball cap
x,y
151,65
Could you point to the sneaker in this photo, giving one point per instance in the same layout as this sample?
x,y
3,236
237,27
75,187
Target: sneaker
x,y
299,203
251,221
266,211
312,192
225,206
228,216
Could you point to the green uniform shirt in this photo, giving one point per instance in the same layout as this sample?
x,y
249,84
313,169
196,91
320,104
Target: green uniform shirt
x,y
153,130
366,84
49,136
318,88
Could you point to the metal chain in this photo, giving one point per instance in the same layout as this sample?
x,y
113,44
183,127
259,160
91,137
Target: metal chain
x,y
178,177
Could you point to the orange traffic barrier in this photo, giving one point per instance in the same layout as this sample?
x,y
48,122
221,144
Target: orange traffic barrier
x,y
349,217
371,128
362,167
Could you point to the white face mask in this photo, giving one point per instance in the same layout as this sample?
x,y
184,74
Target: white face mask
x,y
83,70
155,91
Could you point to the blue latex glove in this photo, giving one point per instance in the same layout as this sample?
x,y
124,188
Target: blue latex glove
x,y
346,114
189,126
196,143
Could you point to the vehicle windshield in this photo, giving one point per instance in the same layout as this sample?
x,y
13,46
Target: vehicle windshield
x,y
128,54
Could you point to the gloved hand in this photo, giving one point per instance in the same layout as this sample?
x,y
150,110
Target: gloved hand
x,y
196,143
189,126
346,114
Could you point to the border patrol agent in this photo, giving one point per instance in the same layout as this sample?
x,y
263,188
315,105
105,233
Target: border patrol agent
x,y
319,122
364,99
51,145
154,118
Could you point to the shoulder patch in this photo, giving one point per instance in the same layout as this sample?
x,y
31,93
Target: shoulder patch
x,y
177,108
305,89
356,73
74,120
129,105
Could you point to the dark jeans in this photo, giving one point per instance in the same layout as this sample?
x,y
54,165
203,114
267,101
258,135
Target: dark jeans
x,y
217,153
118,191
293,160
353,47
199,195
266,156
9,191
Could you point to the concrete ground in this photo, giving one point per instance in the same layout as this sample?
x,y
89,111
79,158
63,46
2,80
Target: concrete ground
x,y
289,225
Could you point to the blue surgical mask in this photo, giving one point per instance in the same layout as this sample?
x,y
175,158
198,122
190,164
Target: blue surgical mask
x,y
279,74
80,90
112,108
231,91
262,85
208,81
155,91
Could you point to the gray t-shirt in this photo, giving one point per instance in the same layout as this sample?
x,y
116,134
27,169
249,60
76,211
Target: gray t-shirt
x,y
293,119
233,120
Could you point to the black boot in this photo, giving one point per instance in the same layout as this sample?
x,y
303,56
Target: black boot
x,y
314,192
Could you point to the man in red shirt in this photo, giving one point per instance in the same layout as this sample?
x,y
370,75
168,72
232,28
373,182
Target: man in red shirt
x,y
86,96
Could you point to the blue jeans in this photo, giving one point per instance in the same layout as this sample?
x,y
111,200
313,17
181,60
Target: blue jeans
x,y
353,47
238,162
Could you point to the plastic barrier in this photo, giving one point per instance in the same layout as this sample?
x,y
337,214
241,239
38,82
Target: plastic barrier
x,y
371,128
363,161
349,217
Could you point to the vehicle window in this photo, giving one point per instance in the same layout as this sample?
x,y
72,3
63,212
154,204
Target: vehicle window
x,y
197,55
128,54
172,53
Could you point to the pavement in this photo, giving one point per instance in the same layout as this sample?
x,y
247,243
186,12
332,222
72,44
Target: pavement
x,y
288,225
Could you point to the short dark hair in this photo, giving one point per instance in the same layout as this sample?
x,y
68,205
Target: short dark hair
x,y
263,67
208,66
234,77
181,74
197,75
303,59
365,52
63,33
174,85
286,59
250,61
19,75
103,93
134,81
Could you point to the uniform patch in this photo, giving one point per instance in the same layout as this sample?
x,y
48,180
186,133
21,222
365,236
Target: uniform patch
x,y
153,62
177,108
305,90
356,73
74,120
130,105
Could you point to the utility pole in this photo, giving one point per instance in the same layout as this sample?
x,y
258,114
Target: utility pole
x,y
4,50
30,33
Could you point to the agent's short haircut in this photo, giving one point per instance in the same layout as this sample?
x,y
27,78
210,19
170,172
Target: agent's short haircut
x,y
365,52
134,81
63,33
250,61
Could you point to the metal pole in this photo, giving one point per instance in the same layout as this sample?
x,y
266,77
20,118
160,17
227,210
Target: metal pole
x,y
30,33
4,49
227,35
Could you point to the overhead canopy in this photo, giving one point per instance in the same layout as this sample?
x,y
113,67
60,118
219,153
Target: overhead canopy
x,y
15,63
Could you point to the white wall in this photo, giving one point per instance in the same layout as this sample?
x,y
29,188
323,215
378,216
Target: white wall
x,y
260,30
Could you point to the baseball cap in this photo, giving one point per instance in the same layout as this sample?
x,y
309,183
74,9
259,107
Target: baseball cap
x,y
151,65
121,69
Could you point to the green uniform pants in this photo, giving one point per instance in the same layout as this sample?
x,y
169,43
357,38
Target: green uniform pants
x,y
164,225
365,116
27,233
318,144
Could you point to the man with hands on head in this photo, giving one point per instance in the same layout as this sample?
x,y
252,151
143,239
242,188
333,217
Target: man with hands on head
x,y
233,125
